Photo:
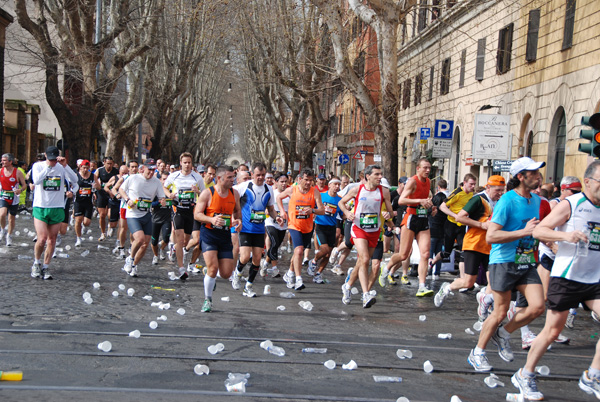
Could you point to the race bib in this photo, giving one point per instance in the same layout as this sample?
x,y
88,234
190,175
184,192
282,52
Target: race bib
x,y
421,212
85,191
186,197
257,216
300,215
594,236
168,202
7,195
525,255
369,221
330,209
144,204
227,219
51,183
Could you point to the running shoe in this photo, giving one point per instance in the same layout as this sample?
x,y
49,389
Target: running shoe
x,y
404,280
161,254
562,339
483,307
527,386
391,280
236,280
9,240
194,268
589,385
337,269
305,261
274,272
2,233
171,253
187,257
479,362
249,290
46,274
122,253
438,300
289,248
134,271
183,275
318,278
424,291
346,294
78,242
504,349
102,237
299,284
348,275
311,268
263,267
109,233
435,277
595,317
207,306
58,239
334,255
155,260
527,340
288,277
368,300
36,270
571,319
128,265
383,277
512,309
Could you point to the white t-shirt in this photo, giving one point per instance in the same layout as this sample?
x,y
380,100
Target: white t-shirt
x,y
270,221
181,185
49,191
143,192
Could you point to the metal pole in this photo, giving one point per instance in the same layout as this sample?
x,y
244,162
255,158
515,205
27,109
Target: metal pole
x,y
140,143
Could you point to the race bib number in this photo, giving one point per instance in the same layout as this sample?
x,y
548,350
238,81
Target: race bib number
x,y
7,196
144,204
168,202
51,183
186,197
526,251
594,236
421,212
85,191
227,219
330,209
369,221
257,216
300,215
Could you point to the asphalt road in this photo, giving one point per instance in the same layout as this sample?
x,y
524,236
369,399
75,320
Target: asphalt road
x,y
51,334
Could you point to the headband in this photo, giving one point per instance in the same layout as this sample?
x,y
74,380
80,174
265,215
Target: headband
x,y
333,181
571,185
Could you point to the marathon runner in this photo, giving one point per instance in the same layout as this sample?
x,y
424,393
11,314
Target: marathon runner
x,y
83,207
102,176
12,183
275,231
124,173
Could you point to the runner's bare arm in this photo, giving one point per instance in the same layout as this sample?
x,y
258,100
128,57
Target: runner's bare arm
x,y
495,234
237,212
282,196
560,214
388,207
200,207
320,210
342,204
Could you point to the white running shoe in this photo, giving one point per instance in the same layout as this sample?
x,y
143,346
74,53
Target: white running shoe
x,y
128,265
58,239
248,290
155,260
236,280
134,271
78,242
263,267
9,240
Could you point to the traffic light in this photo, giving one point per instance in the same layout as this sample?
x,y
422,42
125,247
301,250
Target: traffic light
x,y
593,148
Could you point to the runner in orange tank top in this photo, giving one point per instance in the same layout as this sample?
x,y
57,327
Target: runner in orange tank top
x,y
300,216
12,182
417,196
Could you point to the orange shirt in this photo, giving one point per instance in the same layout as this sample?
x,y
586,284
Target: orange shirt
x,y
301,223
223,206
422,191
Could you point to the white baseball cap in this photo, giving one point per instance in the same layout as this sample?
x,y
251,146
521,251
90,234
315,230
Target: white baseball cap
x,y
525,163
385,183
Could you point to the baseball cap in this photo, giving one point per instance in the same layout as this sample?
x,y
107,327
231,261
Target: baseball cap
x,y
321,176
79,162
52,153
385,183
403,180
84,162
525,163
496,180
201,169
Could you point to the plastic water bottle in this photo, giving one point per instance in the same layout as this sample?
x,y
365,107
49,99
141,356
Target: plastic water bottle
x,y
386,378
277,351
63,255
85,253
24,257
287,295
445,336
314,350
102,247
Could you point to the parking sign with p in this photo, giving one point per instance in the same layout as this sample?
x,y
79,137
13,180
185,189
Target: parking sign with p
x,y
444,129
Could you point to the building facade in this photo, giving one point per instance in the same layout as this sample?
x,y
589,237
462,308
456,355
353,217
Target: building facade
x,y
537,62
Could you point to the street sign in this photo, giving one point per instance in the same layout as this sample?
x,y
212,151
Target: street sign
x,y
321,158
424,134
357,155
377,158
444,129
442,148
343,159
502,166
491,136
363,152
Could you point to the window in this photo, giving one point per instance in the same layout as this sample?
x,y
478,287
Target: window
x,y
418,88
404,31
569,25
431,74
436,10
463,61
406,95
504,49
480,65
422,15
445,77
359,65
414,22
532,35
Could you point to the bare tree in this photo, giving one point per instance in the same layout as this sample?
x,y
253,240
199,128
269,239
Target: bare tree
x,y
383,16
65,34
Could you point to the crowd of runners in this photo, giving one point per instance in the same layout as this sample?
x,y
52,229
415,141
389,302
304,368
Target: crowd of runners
x,y
533,243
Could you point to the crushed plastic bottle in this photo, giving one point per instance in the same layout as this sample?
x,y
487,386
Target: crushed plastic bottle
x,y
225,299
514,397
24,257
100,247
281,308
404,354
445,336
63,255
493,381
306,305
236,382
85,253
23,244
386,378
287,295
314,350
351,365
277,351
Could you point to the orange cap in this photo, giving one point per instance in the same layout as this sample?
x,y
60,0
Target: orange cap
x,y
496,180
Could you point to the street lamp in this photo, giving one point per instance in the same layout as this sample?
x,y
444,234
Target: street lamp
x,y
227,61
487,107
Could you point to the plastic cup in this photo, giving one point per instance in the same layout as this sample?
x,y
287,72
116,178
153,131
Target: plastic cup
x,y
330,364
477,326
402,398
455,399
404,354
422,318
67,247
469,331
220,347
225,299
351,365
266,344
89,300
86,295
115,294
153,324
147,297
267,290
96,285
91,238
542,370
130,292
135,334
281,308
201,369
122,287
162,318
213,349
354,291
105,346
181,311
427,367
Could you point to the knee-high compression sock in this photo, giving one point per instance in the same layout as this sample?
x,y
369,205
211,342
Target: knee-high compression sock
x,y
253,271
209,285
240,267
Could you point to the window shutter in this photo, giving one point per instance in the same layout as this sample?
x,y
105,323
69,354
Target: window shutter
x,y
569,25
480,59
532,35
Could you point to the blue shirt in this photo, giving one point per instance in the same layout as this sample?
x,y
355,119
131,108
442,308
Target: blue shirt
x,y
254,202
331,210
513,212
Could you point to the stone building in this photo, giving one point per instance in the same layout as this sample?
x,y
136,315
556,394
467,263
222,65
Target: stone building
x,y
536,61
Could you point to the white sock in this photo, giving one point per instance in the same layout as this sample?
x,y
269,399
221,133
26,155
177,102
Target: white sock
x,y
478,351
209,285
524,330
298,279
503,333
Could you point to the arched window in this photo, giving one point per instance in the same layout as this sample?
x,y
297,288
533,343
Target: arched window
x,y
454,170
556,146
529,144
